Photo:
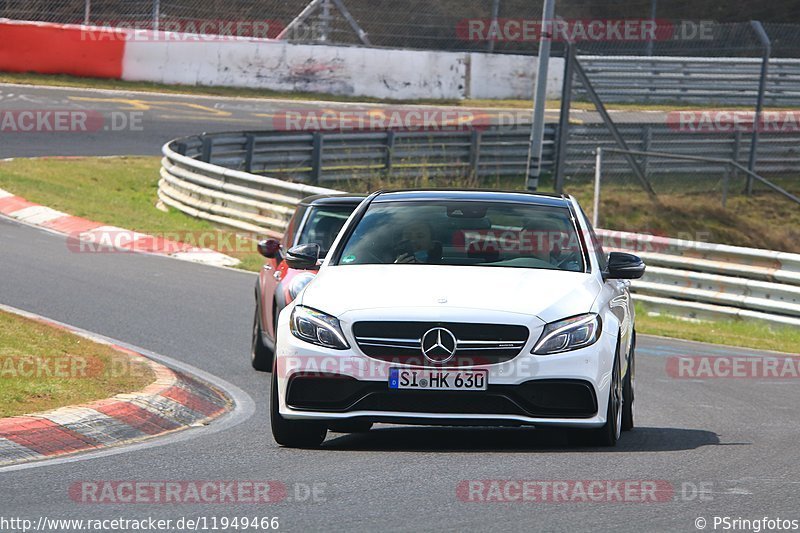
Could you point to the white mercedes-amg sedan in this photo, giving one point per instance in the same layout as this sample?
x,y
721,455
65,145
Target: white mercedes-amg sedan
x,y
458,308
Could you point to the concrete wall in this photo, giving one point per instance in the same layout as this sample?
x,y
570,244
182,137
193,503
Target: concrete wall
x,y
499,76
277,65
174,58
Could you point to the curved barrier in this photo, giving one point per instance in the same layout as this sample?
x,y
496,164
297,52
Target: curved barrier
x,y
693,279
239,200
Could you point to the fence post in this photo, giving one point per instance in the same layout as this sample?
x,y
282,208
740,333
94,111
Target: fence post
x,y
495,13
562,134
87,12
598,171
316,158
647,140
156,14
762,86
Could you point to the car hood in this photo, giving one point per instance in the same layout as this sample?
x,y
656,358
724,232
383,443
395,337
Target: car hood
x,y
547,294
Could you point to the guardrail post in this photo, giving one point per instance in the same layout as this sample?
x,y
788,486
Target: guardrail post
x,y
316,158
474,152
248,152
389,151
737,148
205,153
726,182
180,148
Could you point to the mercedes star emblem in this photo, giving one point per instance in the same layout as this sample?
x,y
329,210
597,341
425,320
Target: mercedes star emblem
x,y
438,345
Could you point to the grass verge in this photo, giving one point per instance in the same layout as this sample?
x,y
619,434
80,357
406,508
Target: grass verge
x,y
757,335
117,191
43,368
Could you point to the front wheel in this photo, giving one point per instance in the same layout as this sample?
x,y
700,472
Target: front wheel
x,y
608,435
260,355
292,433
627,391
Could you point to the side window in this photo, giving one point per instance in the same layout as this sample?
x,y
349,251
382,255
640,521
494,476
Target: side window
x,y
597,246
291,228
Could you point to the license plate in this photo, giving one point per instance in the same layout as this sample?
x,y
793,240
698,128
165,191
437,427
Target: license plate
x,y
403,378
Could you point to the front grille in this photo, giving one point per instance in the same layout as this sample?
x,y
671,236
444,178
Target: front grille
x,y
476,344
535,398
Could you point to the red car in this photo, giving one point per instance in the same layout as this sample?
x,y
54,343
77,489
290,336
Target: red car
x,y
317,219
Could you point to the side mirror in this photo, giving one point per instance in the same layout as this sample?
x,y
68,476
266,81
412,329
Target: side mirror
x,y
624,266
303,256
269,248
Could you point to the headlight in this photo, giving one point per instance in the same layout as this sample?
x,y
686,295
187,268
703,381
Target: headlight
x,y
569,334
317,328
299,283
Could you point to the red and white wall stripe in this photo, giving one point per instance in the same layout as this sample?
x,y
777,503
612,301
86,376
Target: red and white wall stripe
x,y
175,58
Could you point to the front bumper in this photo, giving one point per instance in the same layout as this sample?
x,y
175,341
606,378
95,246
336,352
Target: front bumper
x,y
570,389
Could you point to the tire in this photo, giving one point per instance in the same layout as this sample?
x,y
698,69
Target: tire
x,y
628,390
260,355
608,435
293,433
350,426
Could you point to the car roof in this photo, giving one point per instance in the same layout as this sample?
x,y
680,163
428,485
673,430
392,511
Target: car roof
x,y
333,199
544,199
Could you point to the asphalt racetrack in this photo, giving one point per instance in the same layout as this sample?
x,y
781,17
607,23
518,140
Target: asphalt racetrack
x,y
712,447
723,447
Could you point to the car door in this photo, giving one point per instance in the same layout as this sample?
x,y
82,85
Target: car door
x,y
273,270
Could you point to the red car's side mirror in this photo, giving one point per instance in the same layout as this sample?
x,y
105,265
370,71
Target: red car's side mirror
x,y
269,248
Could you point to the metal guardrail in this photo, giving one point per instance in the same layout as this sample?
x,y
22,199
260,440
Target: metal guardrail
x,y
706,280
711,80
319,157
239,200
778,153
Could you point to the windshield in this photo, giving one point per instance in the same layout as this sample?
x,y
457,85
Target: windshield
x,y
498,234
322,225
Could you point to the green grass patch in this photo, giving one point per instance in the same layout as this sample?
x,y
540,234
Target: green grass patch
x,y
747,334
117,191
44,368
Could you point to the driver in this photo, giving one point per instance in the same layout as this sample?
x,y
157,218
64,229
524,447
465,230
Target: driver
x,y
417,244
